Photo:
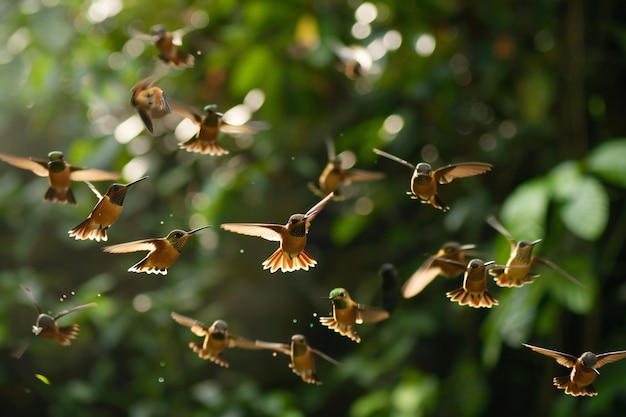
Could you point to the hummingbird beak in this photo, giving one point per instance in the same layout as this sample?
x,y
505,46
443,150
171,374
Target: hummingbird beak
x,y
595,370
37,330
534,242
311,214
136,181
488,263
314,211
468,246
197,230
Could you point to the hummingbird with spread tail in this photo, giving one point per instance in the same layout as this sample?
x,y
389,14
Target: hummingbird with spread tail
x,y
60,174
302,357
149,101
584,369
474,290
47,327
337,173
425,180
216,339
104,214
516,272
163,252
210,124
449,261
168,43
290,256
347,313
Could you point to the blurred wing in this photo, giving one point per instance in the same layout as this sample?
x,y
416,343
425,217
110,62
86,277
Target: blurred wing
x,y
562,358
88,174
446,174
420,278
325,356
197,327
237,129
330,148
185,111
493,222
609,357
38,166
241,342
360,175
94,189
559,270
319,206
265,231
367,314
177,35
135,246
137,34
278,347
30,295
393,158
70,310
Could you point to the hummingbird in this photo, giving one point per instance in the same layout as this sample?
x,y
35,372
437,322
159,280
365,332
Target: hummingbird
x,y
216,339
46,325
474,290
301,354
104,214
167,43
210,124
60,174
584,369
356,61
449,261
517,273
149,101
290,256
424,180
163,253
390,288
347,313
337,172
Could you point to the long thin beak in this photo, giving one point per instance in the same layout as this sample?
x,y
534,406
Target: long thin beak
x,y
534,242
136,181
596,371
489,263
314,211
191,232
468,246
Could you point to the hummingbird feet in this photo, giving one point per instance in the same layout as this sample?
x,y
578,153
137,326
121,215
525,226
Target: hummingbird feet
x,y
476,300
342,329
564,382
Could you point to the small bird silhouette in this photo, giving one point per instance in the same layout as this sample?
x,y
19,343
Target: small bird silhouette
x,y
584,369
216,339
60,174
290,256
167,43
424,180
347,313
104,214
149,101
163,253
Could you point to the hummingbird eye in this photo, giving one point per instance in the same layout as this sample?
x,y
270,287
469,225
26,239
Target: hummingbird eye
x,y
523,244
473,265
294,221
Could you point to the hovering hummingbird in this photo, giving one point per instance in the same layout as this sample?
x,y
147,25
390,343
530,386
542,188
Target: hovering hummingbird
x,y
390,288
424,180
163,253
338,173
210,124
474,291
104,214
449,261
167,43
60,174
46,325
290,256
301,354
347,313
584,369
216,339
517,273
149,101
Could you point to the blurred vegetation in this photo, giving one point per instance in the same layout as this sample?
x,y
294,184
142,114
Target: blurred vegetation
x,y
535,88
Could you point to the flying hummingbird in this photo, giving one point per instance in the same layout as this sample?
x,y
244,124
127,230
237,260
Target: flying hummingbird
x,y
347,313
216,339
584,369
356,61
46,325
163,253
474,290
449,261
60,174
149,101
302,357
517,273
338,173
424,180
167,43
210,124
290,256
390,288
104,214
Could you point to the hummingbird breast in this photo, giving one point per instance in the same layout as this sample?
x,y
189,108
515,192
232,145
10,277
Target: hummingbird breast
x,y
423,186
582,375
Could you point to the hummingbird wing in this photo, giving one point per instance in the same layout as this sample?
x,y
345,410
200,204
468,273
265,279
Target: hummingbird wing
x,y
185,111
325,356
38,166
90,174
609,357
94,190
562,358
241,342
361,175
30,295
197,327
278,347
177,35
135,246
266,231
70,310
558,269
394,158
368,314
445,175
493,222
420,278
237,129
330,149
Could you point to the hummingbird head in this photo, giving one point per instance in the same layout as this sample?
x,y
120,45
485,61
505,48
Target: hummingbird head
x,y
158,30
589,359
220,326
177,238
55,156
117,192
340,298
210,108
297,225
423,169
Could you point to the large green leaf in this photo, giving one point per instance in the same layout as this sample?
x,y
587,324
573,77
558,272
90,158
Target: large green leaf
x,y
608,161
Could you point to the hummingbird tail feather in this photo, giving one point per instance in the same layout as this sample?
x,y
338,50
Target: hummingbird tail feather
x,y
564,382
211,147
54,196
288,263
505,280
205,354
85,230
67,333
476,300
343,330
185,59
148,269
437,203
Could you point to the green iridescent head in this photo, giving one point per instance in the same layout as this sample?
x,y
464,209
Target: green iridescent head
x,y
55,156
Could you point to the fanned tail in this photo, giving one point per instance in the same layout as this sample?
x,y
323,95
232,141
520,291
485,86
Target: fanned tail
x,y
148,269
505,280
308,375
61,198
67,333
205,354
287,263
476,300
85,230
343,330
213,147
564,382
